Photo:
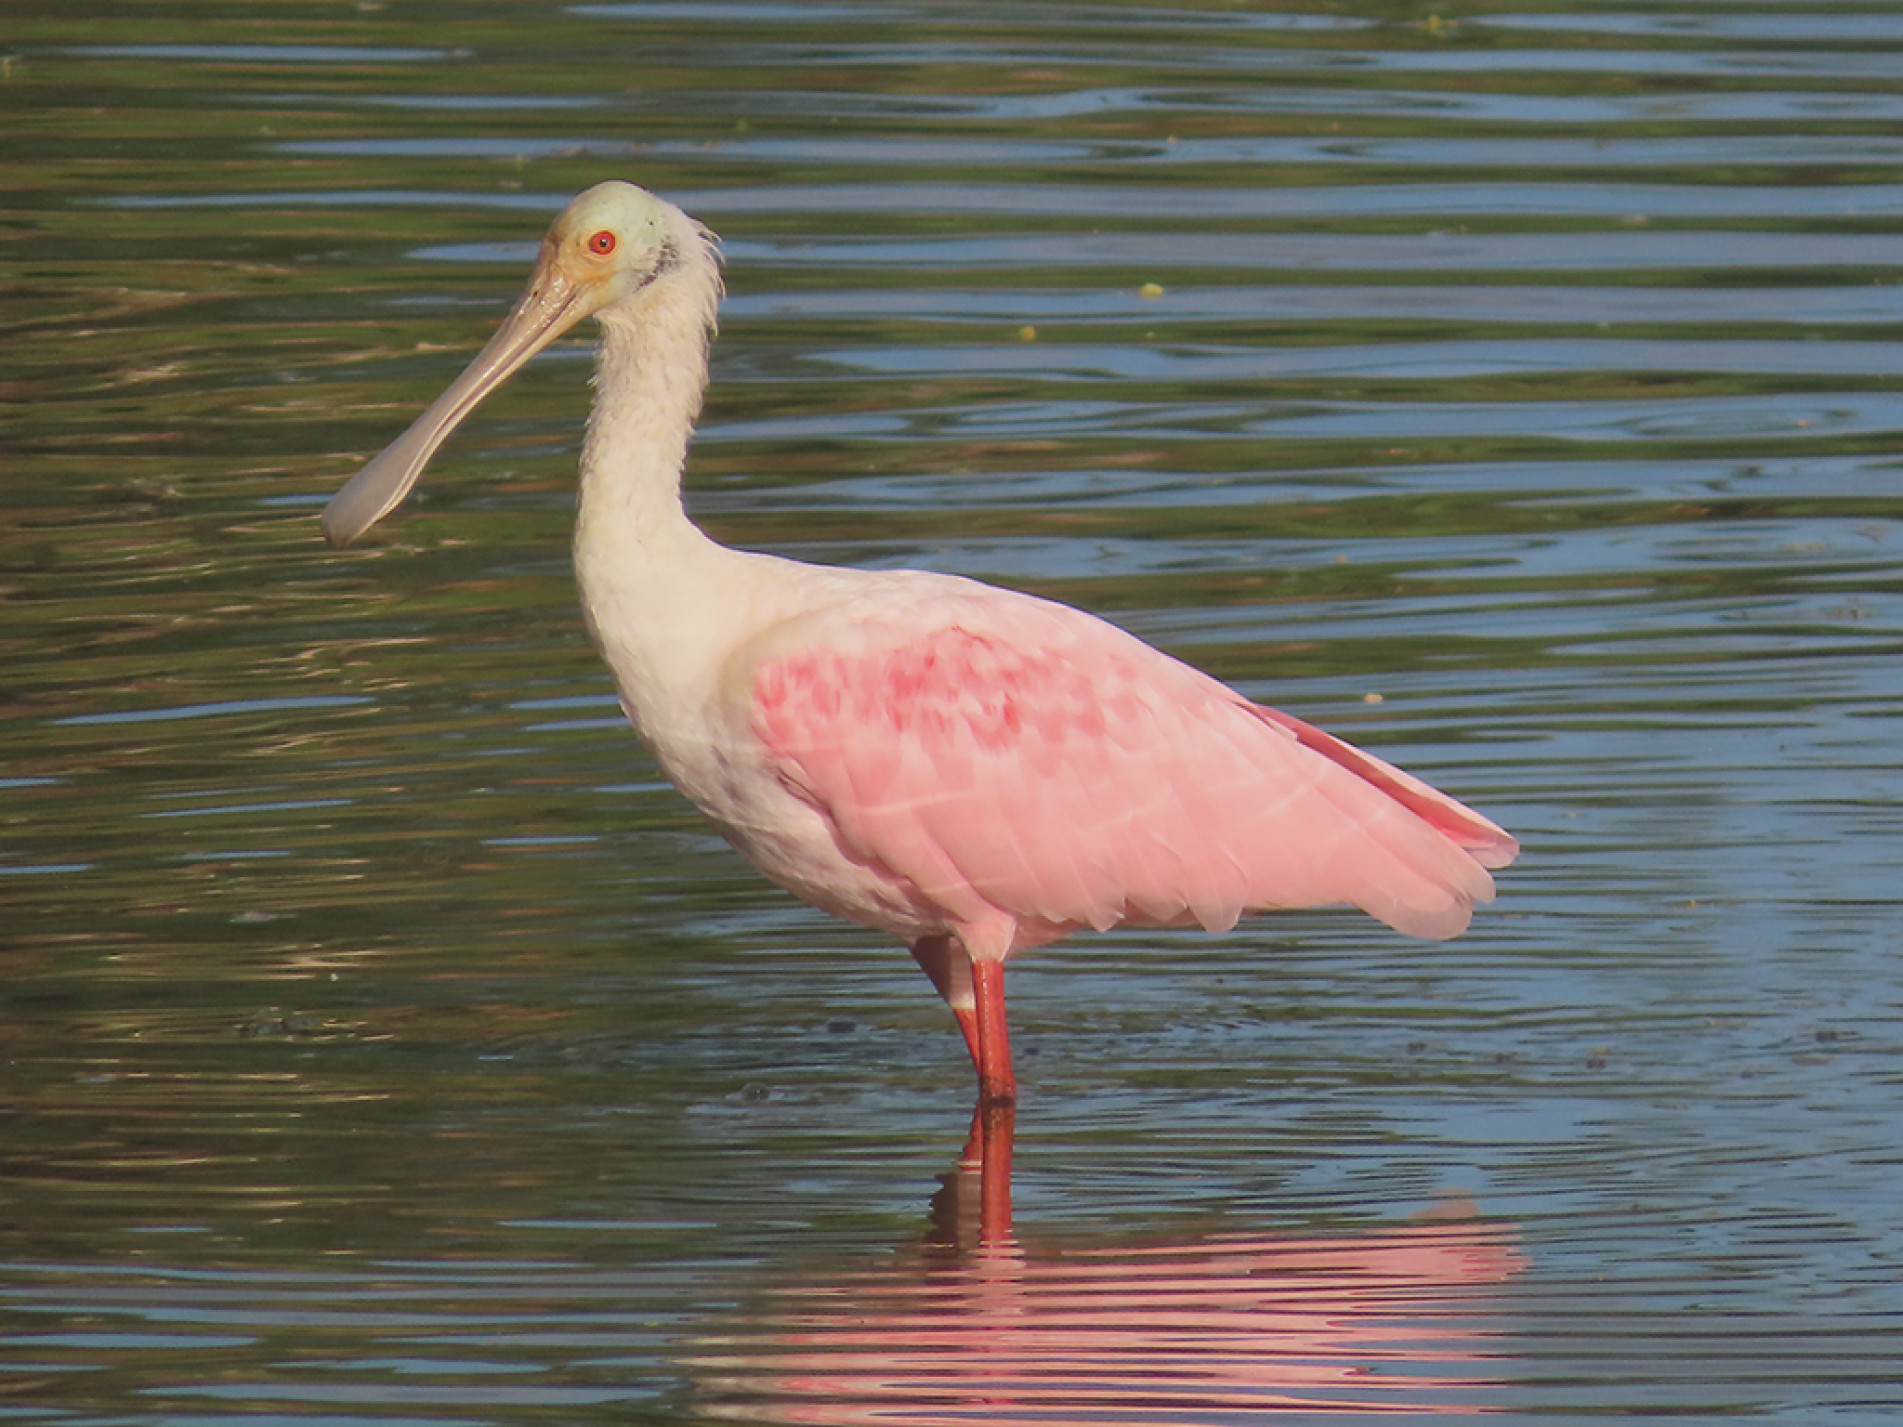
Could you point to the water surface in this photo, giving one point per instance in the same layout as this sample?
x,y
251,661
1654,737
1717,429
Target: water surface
x,y
1513,392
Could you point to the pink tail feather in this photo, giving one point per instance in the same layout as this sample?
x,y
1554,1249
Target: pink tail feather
x,y
1489,844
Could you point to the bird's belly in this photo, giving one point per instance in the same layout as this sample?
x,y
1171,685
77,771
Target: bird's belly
x,y
792,843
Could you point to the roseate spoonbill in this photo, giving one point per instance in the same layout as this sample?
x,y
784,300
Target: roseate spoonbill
x,y
973,770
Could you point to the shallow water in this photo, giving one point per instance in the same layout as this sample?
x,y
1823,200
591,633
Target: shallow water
x,y
1514,393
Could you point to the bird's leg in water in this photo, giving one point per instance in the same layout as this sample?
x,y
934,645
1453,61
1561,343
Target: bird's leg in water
x,y
993,1124
996,1084
973,1209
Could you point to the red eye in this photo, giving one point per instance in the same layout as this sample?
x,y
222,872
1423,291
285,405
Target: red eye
x,y
602,244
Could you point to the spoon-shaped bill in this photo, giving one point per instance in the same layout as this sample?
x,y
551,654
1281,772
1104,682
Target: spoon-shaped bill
x,y
550,307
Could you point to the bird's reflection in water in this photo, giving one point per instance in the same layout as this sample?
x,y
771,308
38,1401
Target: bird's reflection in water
x,y
977,1326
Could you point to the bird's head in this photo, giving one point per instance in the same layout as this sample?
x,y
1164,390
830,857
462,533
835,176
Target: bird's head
x,y
608,246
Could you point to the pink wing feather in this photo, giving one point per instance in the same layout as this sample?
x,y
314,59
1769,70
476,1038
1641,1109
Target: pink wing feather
x,y
1029,770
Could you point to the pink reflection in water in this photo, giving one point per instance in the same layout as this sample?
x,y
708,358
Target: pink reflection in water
x,y
981,1328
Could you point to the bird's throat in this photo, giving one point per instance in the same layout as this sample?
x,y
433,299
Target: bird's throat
x,y
649,379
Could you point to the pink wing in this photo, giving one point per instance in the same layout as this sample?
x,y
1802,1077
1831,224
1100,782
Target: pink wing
x,y
1030,769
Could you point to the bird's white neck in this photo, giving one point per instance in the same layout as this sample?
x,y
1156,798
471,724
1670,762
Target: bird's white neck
x,y
651,582
650,373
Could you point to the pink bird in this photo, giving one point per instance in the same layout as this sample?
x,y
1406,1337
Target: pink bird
x,y
973,770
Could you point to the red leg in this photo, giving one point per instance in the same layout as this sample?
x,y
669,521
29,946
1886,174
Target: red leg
x,y
944,961
999,1119
974,1208
996,1084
